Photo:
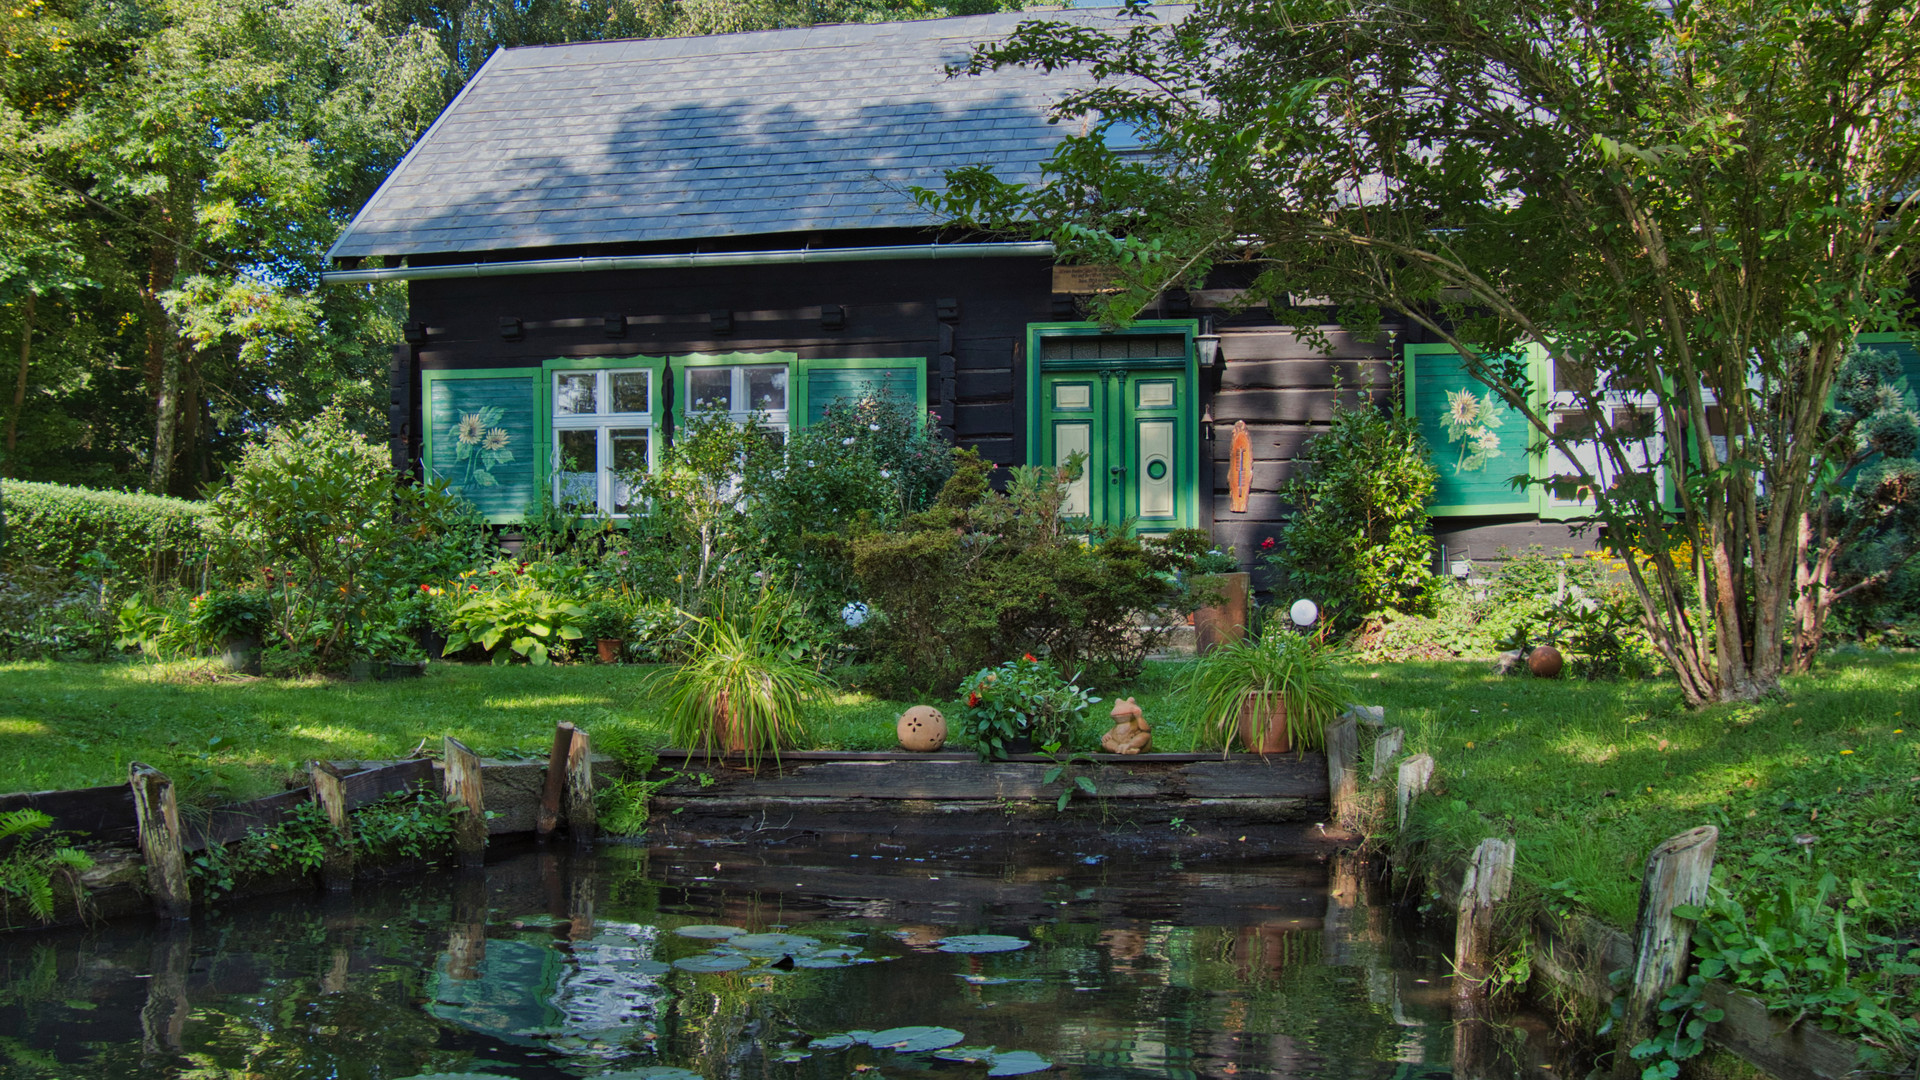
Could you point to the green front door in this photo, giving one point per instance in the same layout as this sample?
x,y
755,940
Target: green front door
x,y
1131,416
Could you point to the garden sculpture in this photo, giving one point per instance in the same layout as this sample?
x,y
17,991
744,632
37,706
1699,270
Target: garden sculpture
x,y
922,729
1130,734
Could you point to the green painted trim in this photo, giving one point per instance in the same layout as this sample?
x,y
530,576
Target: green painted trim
x,y
543,420
1898,338
1533,499
799,404
657,365
1187,421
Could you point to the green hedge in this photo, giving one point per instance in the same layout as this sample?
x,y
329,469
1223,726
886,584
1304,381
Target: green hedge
x,y
149,536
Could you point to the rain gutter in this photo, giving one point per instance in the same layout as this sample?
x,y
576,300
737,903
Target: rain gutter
x,y
692,260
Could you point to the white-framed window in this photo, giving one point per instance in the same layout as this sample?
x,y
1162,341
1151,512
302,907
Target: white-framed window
x,y
1575,411
740,391
602,433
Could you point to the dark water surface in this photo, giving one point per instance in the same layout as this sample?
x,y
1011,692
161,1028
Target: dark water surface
x,y
552,965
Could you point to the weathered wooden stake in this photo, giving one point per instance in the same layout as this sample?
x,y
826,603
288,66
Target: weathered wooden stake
x,y
1678,872
462,783
163,1017
1343,768
549,818
581,817
1489,875
1415,774
467,934
158,813
336,866
1385,749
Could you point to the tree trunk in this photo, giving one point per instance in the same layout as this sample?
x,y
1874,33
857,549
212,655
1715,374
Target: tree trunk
x,y
20,384
166,421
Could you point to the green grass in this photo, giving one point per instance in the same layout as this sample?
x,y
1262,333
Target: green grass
x,y
1588,777
70,725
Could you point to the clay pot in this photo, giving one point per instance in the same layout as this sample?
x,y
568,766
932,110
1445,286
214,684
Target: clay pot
x,y
1545,662
1263,724
922,729
1226,621
241,653
610,648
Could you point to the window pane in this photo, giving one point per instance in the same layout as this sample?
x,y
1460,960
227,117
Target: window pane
x,y
629,392
579,467
709,388
629,460
574,392
767,388
1570,377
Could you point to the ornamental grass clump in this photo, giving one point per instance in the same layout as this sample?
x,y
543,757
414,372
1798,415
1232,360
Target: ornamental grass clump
x,y
1299,671
743,689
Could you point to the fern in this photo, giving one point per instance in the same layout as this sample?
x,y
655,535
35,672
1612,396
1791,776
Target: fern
x,y
28,871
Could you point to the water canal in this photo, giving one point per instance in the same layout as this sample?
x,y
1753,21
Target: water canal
x,y
776,956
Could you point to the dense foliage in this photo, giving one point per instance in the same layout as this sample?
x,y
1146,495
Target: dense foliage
x,y
1696,206
147,539
1357,541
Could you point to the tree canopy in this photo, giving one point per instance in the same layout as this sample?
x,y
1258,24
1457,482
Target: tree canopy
x,y
1695,204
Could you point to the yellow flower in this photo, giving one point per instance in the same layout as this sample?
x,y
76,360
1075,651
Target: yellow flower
x,y
497,439
1846,751
470,430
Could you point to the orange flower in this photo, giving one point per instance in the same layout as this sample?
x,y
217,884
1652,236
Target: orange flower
x,y
1029,658
973,699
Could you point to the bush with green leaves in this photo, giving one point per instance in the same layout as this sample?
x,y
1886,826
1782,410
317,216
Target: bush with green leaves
x,y
515,617
37,861
315,513
148,540
51,613
219,614
983,576
698,500
1024,698
1358,540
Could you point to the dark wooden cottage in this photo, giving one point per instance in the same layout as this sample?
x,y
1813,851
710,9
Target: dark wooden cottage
x,y
599,237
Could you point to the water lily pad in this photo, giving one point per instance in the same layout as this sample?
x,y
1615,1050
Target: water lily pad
x,y
712,962
709,932
981,943
651,1072
826,962
912,1040
774,944
839,1042
647,967
1018,1063
991,980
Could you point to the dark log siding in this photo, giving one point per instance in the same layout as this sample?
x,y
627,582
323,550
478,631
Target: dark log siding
x,y
1280,384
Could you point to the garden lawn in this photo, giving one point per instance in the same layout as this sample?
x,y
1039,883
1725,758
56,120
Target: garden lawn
x,y
72,725
1588,777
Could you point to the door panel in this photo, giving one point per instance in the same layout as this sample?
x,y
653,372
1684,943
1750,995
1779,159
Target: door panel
x,y
1129,425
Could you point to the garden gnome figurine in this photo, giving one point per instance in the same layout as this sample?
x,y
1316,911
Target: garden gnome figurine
x,y
922,729
1130,734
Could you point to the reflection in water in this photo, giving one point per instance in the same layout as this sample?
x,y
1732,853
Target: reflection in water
x,y
549,967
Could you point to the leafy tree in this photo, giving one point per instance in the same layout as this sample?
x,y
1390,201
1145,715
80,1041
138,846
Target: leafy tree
x,y
1705,202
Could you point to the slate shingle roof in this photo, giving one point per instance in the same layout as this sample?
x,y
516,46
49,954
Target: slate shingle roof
x,y
732,135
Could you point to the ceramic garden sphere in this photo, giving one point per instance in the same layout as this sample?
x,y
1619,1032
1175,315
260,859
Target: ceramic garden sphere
x,y
1545,662
922,729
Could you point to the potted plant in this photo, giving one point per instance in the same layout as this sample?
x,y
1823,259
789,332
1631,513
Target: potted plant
x,y
606,622
423,615
1218,578
1273,693
231,620
1020,704
739,692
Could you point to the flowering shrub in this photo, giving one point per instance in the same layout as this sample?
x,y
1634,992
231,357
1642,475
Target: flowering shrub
x,y
1022,698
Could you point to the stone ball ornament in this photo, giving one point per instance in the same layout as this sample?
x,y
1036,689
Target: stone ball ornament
x,y
922,729
1304,612
1545,662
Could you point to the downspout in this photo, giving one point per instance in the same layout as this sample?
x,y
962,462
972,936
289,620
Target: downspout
x,y
590,264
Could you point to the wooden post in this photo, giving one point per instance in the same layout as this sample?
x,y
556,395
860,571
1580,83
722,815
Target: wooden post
x,y
549,818
462,783
1415,774
158,813
1343,768
163,1016
1489,875
336,866
1678,872
1385,749
581,817
467,933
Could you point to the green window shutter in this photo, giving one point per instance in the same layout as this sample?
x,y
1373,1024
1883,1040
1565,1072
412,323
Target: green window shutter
x,y
825,381
1907,348
1475,460
486,436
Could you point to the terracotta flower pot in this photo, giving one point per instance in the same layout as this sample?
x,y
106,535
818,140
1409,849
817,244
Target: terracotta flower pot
x,y
1263,724
1226,621
610,649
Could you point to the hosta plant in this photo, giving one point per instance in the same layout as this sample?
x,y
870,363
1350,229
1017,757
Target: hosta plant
x,y
525,618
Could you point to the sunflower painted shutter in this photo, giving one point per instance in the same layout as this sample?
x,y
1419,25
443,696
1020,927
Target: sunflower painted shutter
x,y
825,381
1479,444
484,436
1906,347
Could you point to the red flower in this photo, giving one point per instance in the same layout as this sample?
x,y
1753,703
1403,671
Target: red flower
x,y
423,588
973,699
1267,544
1030,658
473,588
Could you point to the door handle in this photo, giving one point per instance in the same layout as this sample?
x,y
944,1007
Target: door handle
x,y
1117,471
